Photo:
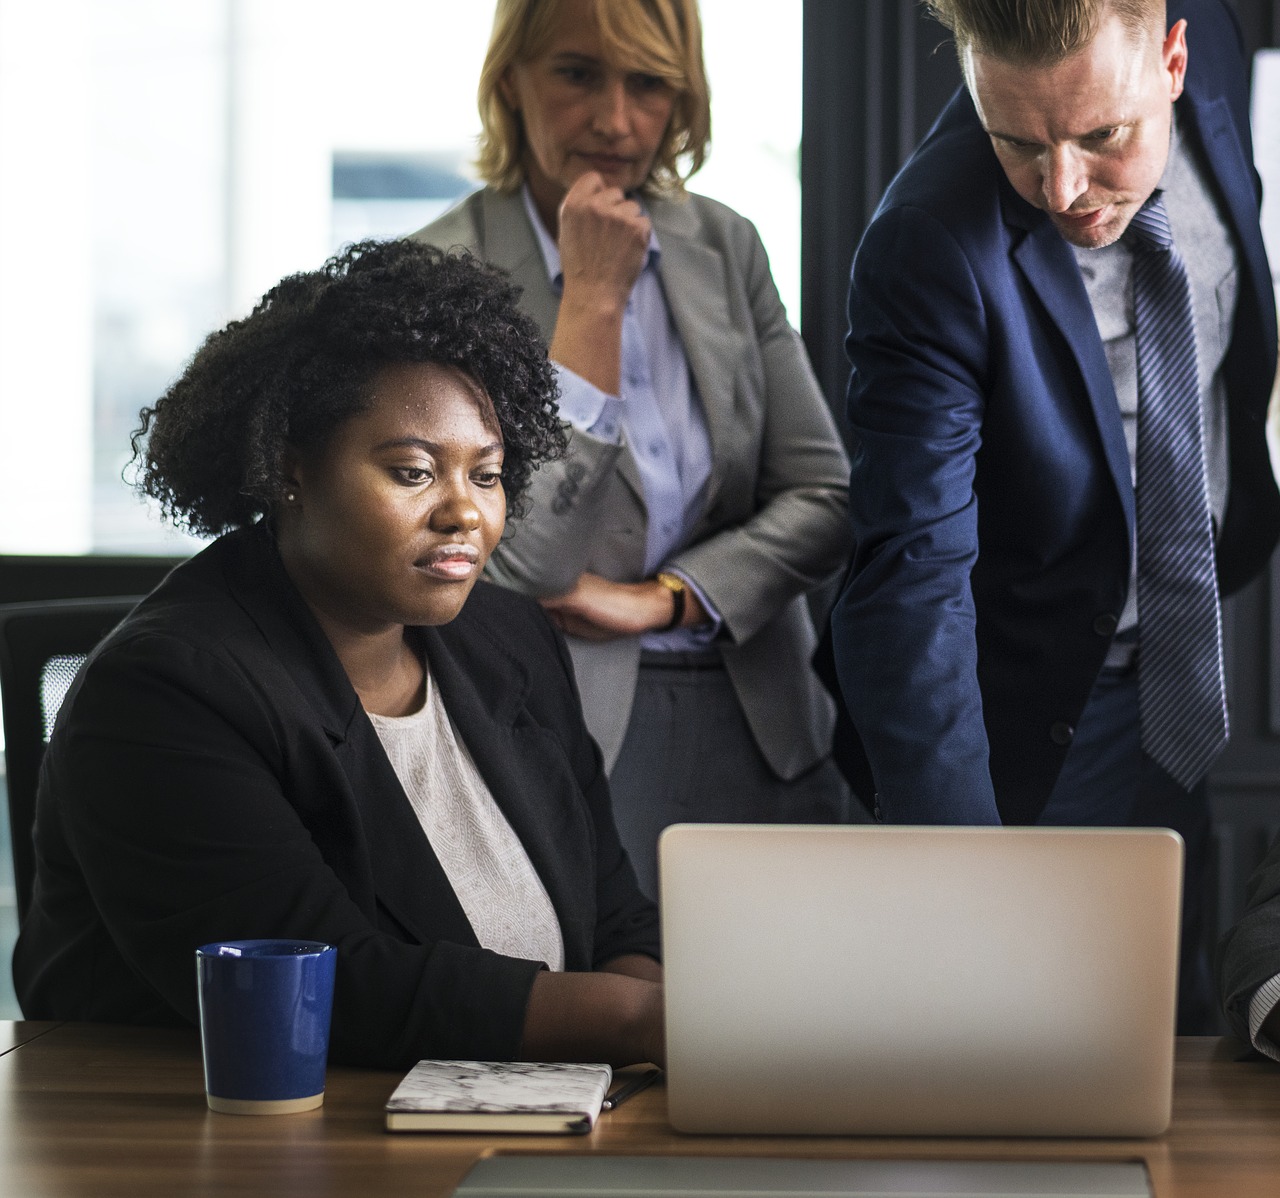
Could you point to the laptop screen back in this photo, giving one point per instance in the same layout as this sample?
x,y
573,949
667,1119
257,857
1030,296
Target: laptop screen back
x,y
932,981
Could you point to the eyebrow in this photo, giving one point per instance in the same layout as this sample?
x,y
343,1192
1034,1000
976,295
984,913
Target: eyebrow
x,y
576,58
1075,137
430,446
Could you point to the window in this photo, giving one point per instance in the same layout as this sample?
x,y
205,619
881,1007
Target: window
x,y
167,163
1266,154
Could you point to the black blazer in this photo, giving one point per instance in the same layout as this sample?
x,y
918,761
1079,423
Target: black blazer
x,y
213,775
1249,954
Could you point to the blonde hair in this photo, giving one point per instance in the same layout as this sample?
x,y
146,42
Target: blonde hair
x,y
657,37
1039,31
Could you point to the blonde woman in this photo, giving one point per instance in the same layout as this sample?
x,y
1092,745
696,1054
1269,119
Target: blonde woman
x,y
704,491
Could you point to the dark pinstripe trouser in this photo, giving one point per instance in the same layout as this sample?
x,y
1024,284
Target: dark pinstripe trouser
x,y
1107,781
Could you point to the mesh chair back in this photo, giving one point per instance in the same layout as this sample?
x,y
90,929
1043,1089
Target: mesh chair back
x,y
56,676
42,646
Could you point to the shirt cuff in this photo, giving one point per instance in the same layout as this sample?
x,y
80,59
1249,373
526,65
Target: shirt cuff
x,y
1261,1005
702,633
587,408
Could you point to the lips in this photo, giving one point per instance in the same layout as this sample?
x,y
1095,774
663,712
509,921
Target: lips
x,y
606,163
451,563
1085,220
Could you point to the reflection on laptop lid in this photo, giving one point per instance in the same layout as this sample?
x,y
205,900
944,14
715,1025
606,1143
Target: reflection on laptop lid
x,y
920,981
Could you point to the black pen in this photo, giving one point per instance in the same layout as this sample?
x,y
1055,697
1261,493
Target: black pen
x,y
633,1087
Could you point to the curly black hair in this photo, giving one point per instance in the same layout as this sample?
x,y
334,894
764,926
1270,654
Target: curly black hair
x,y
210,450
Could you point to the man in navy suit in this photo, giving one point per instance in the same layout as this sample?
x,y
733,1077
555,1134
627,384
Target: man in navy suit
x,y
987,641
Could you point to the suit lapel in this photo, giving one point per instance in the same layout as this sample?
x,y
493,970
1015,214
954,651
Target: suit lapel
x,y
260,584
696,289
506,240
408,880
1049,267
485,690
1232,175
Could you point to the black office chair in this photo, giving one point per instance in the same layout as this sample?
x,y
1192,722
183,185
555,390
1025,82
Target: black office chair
x,y
42,645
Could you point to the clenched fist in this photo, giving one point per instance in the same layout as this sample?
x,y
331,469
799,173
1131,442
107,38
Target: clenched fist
x,y
603,240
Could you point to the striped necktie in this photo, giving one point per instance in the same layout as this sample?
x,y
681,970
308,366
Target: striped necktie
x,y
1182,693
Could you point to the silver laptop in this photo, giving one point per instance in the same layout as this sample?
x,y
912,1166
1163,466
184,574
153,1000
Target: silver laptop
x,y
598,1176
920,981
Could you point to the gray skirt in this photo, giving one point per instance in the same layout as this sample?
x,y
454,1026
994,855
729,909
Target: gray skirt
x,y
689,756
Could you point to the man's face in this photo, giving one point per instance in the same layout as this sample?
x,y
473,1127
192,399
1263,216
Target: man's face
x,y
1085,139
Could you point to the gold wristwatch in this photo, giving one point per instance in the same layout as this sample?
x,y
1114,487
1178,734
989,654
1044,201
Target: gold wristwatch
x,y
679,589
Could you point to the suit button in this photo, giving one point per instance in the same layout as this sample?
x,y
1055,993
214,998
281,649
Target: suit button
x,y
1061,733
1106,624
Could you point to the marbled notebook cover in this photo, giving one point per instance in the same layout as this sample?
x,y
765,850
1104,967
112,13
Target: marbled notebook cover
x,y
502,1088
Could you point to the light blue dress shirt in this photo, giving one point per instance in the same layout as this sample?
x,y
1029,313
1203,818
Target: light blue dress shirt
x,y
658,415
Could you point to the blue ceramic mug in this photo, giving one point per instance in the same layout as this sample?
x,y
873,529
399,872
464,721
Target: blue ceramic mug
x,y
264,1023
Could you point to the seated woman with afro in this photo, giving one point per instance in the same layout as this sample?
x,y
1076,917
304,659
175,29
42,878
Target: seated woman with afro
x,y
323,726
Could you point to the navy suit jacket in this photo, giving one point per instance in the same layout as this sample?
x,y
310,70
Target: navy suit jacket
x,y
991,493
213,776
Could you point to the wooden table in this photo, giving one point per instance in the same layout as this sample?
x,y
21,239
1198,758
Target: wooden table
x,y
96,1110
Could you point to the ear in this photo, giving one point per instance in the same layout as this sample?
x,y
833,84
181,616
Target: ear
x,y
1173,58
290,476
507,89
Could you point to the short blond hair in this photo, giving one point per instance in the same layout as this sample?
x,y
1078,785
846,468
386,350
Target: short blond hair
x,y
658,37
1039,31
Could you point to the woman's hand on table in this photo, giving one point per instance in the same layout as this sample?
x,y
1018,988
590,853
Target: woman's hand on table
x,y
603,240
600,610
604,1016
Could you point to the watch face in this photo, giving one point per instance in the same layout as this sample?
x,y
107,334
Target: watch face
x,y
676,585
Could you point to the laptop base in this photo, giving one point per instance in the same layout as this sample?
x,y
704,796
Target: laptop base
x,y
551,1176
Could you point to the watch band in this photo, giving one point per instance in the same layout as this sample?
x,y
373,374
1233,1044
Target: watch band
x,y
676,585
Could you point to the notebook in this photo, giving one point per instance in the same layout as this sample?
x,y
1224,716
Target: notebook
x,y
920,981
498,1096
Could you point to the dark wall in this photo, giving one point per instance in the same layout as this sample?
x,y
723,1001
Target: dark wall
x,y
877,72
876,75
24,579
1259,23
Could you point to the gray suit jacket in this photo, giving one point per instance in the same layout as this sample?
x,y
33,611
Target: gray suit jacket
x,y
775,522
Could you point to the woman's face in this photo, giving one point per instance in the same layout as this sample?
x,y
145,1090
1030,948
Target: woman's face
x,y
392,520
581,113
